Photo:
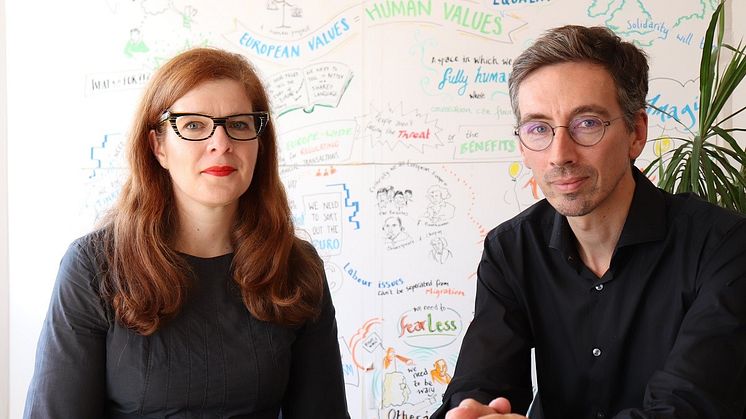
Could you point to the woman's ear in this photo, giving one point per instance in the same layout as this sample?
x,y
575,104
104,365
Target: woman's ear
x,y
156,146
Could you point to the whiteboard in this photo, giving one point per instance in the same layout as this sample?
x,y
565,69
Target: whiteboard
x,y
395,135
4,299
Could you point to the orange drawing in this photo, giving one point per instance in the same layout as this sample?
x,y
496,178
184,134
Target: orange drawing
x,y
327,171
440,373
533,184
364,336
389,360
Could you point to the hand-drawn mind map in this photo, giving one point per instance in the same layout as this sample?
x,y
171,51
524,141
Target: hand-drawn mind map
x,y
396,147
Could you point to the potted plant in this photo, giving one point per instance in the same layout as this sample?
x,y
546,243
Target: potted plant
x,y
712,169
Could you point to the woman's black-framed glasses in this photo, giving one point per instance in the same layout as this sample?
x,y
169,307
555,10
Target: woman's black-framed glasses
x,y
586,131
199,127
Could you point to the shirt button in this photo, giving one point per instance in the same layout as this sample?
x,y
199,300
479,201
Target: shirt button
x,y
599,287
596,352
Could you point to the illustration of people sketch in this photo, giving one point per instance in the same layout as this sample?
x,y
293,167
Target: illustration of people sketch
x,y
439,373
382,199
438,211
399,200
395,234
440,252
393,201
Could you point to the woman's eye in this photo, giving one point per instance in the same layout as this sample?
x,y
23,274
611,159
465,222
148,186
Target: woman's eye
x,y
239,125
193,125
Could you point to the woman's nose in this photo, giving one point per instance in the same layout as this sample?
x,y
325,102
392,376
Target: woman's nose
x,y
220,141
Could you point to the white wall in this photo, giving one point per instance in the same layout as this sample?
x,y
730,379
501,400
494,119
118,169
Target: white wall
x,y
4,301
738,14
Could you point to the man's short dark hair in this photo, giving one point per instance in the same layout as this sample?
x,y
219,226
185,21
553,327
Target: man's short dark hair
x,y
627,64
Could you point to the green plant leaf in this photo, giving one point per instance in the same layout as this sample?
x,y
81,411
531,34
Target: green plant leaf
x,y
712,162
738,153
707,66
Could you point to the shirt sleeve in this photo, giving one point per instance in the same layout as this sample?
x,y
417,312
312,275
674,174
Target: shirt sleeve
x,y
495,356
705,373
69,378
316,388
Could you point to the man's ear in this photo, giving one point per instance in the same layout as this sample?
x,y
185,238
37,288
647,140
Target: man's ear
x,y
640,134
156,146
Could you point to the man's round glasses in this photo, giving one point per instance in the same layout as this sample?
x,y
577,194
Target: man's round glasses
x,y
586,131
199,127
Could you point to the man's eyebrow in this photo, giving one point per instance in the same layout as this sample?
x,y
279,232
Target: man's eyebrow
x,y
584,109
532,117
594,109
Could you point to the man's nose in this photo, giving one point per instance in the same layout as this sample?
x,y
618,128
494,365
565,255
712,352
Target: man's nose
x,y
563,150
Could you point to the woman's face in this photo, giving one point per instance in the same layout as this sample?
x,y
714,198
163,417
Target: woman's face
x,y
214,172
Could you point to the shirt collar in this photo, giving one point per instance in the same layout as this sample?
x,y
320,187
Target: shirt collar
x,y
645,222
562,237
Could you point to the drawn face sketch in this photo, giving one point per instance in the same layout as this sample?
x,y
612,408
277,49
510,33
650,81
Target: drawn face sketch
x,y
437,194
392,227
381,198
390,193
438,243
440,372
433,194
399,200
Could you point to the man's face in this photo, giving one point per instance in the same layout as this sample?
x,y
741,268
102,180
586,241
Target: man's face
x,y
392,227
576,179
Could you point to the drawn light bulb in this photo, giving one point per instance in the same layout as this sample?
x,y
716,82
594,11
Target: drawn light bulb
x,y
514,170
662,145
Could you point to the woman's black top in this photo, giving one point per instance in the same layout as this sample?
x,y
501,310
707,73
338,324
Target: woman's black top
x,y
214,360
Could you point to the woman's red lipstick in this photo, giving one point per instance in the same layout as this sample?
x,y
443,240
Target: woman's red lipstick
x,y
219,170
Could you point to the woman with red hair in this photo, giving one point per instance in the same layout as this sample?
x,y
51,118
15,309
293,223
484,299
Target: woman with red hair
x,y
194,298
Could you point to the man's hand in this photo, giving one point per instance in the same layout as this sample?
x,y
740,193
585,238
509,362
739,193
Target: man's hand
x,y
472,409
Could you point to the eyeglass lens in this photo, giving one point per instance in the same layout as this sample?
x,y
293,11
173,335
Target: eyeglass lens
x,y
537,135
200,127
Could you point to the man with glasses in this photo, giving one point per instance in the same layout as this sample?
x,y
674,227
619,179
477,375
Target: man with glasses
x,y
633,299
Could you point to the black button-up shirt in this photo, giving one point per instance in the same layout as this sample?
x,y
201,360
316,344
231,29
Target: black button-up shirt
x,y
661,334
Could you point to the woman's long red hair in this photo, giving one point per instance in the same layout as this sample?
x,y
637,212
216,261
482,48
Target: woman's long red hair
x,y
146,280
